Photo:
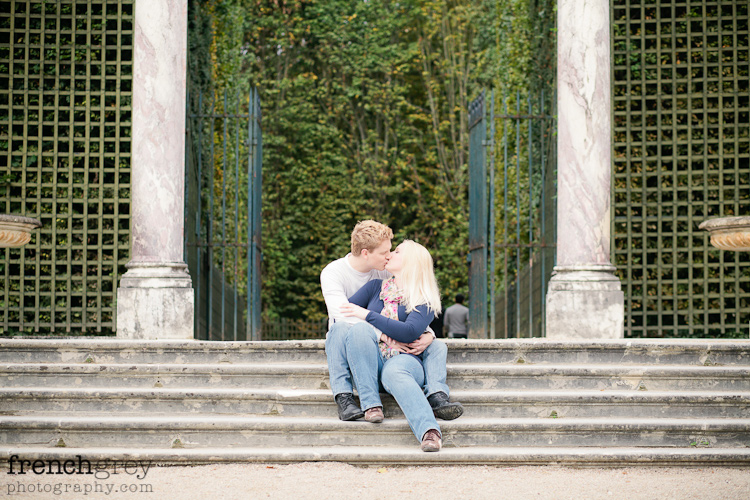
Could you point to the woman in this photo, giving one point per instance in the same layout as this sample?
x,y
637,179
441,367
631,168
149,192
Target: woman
x,y
399,308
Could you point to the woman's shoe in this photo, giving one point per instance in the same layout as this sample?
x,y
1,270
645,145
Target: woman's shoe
x,y
374,415
431,441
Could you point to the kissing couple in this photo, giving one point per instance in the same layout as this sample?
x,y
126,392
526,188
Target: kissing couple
x,y
380,305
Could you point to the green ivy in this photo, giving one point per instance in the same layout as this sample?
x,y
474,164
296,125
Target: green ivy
x,y
364,116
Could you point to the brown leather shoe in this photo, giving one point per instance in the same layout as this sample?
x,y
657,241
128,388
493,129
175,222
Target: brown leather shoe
x,y
374,415
431,441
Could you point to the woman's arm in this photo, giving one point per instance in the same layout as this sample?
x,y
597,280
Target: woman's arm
x,y
404,331
356,307
362,296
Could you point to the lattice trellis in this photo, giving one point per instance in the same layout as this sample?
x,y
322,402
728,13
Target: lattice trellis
x,y
681,155
65,95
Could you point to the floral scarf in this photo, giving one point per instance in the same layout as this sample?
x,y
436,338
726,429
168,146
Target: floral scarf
x,y
391,297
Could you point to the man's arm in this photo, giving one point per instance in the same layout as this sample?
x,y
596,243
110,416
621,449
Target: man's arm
x,y
335,297
417,347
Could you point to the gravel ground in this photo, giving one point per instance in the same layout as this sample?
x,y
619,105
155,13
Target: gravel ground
x,y
342,481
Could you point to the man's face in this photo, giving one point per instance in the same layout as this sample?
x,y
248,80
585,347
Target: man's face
x,y
378,257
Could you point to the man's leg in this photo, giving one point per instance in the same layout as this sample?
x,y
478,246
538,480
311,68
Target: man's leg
x,y
435,372
365,361
339,375
434,359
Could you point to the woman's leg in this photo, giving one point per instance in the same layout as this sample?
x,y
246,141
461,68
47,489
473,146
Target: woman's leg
x,y
365,362
403,377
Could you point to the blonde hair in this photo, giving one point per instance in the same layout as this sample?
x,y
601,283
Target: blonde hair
x,y
368,235
418,282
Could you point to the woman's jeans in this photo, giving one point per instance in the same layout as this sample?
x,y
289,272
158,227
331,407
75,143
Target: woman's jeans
x,y
339,372
402,376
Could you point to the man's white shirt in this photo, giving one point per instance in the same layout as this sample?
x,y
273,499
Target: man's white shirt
x,y
339,281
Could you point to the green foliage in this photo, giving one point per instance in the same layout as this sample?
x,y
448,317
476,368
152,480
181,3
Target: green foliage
x,y
364,116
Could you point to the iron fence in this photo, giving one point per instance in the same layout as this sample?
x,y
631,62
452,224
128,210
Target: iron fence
x,y
288,329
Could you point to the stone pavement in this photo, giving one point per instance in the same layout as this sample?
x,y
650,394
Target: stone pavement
x,y
342,481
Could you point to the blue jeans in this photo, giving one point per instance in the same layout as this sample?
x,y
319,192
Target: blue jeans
x,y
402,376
339,372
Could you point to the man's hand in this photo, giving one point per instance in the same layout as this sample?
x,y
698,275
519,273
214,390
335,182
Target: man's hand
x,y
418,346
393,344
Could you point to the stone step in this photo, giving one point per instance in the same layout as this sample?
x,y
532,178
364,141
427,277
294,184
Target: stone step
x,y
315,376
396,455
527,401
599,377
262,432
111,350
319,403
535,351
132,375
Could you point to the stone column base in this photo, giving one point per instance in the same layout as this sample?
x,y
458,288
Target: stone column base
x,y
155,301
585,303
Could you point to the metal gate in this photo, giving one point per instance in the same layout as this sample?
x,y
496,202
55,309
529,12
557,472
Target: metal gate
x,y
223,215
477,219
512,231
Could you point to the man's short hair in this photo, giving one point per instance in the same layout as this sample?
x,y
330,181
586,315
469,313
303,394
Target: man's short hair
x,y
368,235
459,298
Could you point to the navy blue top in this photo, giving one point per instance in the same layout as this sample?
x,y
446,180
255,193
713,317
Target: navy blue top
x,y
409,326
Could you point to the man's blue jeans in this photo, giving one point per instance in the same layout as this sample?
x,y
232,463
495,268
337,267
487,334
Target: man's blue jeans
x,y
339,365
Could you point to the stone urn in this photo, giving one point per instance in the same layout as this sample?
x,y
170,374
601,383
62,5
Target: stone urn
x,y
15,231
729,233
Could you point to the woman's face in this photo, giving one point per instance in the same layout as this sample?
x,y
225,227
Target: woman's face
x,y
396,262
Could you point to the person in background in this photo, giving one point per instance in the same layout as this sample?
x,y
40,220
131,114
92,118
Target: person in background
x,y
456,320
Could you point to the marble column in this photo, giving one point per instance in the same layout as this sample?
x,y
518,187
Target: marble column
x,y
155,297
585,300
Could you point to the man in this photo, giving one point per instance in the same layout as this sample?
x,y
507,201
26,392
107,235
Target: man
x,y
456,320
371,249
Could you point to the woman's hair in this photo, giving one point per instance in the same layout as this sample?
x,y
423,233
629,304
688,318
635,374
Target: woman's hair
x,y
418,282
368,235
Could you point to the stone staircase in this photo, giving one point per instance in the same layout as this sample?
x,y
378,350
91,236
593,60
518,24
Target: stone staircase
x,y
681,402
